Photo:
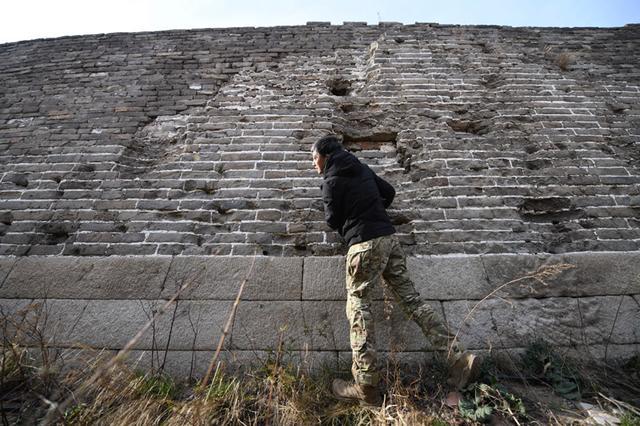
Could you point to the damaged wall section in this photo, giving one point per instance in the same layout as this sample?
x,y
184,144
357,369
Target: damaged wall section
x,y
197,142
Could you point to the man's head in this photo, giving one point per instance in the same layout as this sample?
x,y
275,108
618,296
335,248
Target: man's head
x,y
322,149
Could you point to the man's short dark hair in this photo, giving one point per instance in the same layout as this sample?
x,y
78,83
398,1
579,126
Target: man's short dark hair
x,y
327,145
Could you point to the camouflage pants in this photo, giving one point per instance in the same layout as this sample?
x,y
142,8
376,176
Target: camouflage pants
x,y
367,262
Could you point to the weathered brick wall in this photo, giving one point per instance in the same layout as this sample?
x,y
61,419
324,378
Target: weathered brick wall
x,y
498,139
510,148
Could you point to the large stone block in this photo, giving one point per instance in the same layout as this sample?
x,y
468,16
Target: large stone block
x,y
11,307
324,278
263,325
562,321
197,324
86,278
16,315
593,274
609,352
325,325
217,277
6,264
98,324
448,278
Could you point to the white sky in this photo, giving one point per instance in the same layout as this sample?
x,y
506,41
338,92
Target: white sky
x,y
29,19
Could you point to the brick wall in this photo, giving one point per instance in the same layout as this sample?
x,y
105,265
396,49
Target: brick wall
x,y
133,163
498,140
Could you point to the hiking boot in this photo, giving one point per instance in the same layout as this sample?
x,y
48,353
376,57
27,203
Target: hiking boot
x,y
364,394
464,370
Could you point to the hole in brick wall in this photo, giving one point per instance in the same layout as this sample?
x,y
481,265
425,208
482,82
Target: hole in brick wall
x,y
493,81
85,168
17,179
374,148
155,143
537,164
549,209
339,86
6,218
369,141
618,107
347,107
476,127
543,205
57,232
531,148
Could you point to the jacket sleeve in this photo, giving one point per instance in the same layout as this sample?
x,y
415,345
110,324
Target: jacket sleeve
x,y
333,208
386,190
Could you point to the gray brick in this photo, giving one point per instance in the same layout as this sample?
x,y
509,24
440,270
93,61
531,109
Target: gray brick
x,y
593,274
158,204
172,237
6,265
561,321
220,278
86,278
324,278
100,323
263,227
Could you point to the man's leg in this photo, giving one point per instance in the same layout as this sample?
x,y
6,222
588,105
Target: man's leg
x,y
463,364
402,288
364,270
364,266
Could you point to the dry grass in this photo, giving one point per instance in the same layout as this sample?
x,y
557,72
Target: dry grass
x,y
277,392
39,385
564,60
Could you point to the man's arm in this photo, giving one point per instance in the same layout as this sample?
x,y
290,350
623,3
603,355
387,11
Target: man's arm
x,y
386,190
333,210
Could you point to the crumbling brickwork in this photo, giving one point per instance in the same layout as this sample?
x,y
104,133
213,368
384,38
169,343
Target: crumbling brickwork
x,y
132,165
498,139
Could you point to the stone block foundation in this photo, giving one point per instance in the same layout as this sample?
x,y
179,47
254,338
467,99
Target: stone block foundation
x,y
100,303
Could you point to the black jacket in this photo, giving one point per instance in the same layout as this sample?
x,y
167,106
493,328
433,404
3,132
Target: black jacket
x,y
355,199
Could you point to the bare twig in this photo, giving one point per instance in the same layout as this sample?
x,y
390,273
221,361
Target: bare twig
x,y
541,275
227,326
57,409
615,320
194,328
621,405
166,349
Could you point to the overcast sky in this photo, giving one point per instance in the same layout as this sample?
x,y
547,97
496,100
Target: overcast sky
x,y
29,19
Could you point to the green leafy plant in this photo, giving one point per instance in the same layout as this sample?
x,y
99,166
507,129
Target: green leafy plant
x,y
542,362
481,401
